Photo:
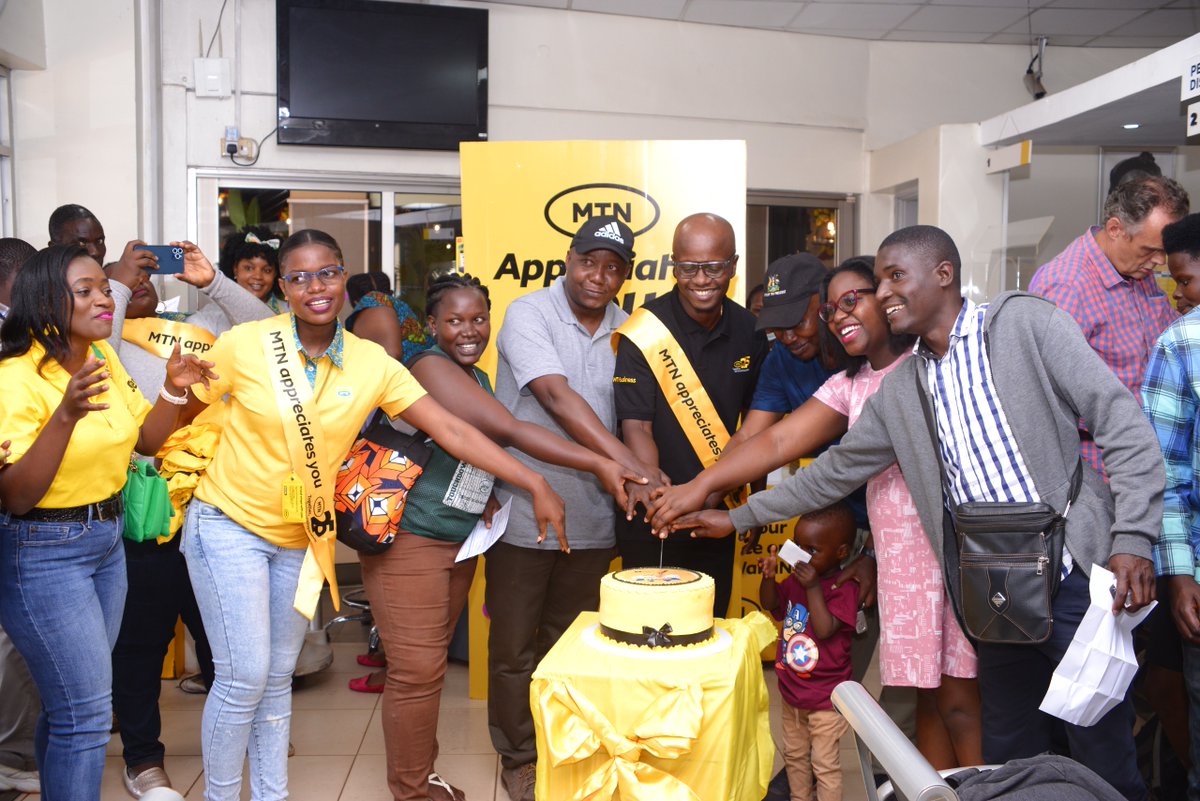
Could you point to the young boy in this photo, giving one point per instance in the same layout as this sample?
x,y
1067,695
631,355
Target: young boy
x,y
1169,397
1181,241
814,651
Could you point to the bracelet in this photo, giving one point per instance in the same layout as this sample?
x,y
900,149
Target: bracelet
x,y
868,552
175,400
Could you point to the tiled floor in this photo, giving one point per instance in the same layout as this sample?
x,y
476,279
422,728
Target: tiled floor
x,y
339,743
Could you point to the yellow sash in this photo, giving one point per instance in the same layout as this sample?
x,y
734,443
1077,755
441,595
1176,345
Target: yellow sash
x,y
159,336
306,444
686,396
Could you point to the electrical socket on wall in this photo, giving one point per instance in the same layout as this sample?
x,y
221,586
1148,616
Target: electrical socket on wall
x,y
247,148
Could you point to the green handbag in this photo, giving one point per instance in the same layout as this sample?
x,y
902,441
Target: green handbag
x,y
147,504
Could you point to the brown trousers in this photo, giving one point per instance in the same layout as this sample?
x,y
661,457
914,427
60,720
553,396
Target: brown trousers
x,y
417,593
532,597
810,748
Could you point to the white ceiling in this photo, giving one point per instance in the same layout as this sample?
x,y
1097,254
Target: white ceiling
x,y
1071,23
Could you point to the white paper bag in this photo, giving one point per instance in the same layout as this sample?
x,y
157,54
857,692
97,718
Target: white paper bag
x,y
1099,663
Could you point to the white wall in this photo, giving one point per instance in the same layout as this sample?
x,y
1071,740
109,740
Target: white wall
x,y
955,193
809,107
916,86
73,123
23,34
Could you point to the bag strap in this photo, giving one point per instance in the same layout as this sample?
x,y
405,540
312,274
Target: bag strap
x,y
1076,477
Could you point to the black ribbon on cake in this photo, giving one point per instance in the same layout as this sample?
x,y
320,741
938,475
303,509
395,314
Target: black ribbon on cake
x,y
656,638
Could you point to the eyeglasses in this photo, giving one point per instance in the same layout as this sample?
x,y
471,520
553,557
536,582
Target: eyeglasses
x,y
326,275
846,302
713,269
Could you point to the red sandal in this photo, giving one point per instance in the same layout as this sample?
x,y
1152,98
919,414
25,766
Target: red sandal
x,y
372,660
361,685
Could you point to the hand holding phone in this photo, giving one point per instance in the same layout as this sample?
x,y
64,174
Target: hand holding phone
x,y
170,258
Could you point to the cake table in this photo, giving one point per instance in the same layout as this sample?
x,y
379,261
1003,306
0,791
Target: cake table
x,y
664,724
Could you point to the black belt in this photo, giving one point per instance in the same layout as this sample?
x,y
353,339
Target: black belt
x,y
104,510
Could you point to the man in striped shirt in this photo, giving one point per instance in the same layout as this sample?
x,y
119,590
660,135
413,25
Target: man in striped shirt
x,y
1008,382
1105,280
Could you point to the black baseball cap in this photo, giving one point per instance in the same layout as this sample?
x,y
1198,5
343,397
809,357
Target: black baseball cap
x,y
605,233
788,285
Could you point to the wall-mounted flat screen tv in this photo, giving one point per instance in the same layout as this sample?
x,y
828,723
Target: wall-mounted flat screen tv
x,y
372,73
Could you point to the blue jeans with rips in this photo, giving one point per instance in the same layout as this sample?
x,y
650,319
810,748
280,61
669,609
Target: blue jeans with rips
x,y
62,593
244,587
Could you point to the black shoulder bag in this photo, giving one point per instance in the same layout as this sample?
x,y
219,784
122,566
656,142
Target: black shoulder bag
x,y
1003,560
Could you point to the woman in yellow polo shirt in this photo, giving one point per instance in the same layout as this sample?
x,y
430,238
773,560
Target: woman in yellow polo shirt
x,y
74,416
299,390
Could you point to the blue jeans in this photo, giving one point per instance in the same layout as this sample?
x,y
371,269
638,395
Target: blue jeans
x,y
244,586
62,592
1012,682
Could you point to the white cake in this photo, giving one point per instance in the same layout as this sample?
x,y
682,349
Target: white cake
x,y
657,607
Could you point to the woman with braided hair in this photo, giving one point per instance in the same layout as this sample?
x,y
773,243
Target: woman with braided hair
x,y
417,590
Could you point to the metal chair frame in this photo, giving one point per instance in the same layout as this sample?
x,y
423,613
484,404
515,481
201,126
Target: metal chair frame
x,y
912,777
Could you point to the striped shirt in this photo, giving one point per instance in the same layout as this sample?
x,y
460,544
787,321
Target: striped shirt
x,y
976,443
1119,318
1169,397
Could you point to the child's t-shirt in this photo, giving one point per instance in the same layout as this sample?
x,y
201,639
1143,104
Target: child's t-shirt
x,y
809,668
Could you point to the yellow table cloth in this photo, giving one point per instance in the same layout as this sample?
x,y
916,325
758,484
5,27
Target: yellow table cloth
x,y
662,725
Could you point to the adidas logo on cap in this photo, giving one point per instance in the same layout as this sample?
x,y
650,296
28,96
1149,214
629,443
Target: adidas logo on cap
x,y
611,231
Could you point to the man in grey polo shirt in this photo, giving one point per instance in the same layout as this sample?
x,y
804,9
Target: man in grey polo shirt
x,y
555,369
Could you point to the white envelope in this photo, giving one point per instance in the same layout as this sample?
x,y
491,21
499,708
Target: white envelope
x,y
1099,664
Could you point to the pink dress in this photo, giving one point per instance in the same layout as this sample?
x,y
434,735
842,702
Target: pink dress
x,y
919,639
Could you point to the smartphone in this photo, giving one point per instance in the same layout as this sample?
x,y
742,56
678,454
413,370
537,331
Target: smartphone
x,y
170,258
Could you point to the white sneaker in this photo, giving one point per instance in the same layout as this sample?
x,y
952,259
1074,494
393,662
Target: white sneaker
x,y
23,781
193,685
145,781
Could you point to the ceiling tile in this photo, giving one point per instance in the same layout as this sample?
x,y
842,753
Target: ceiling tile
x,y
1021,4
659,9
873,2
1055,41
935,36
1156,42
962,19
749,13
1133,5
539,3
864,34
850,16
1182,21
1078,21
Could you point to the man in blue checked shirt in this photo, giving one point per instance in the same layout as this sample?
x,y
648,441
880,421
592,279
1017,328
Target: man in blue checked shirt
x,y
1169,397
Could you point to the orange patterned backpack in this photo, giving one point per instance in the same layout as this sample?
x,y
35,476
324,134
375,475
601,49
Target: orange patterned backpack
x,y
373,482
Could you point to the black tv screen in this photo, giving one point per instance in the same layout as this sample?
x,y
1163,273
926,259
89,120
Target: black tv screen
x,y
368,73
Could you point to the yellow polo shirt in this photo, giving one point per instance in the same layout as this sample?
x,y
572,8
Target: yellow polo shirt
x,y
245,479
96,462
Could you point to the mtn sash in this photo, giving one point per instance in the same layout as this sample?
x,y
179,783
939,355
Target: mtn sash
x,y
159,336
307,495
687,397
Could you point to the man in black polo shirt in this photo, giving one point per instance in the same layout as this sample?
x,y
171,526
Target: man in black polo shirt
x,y
698,348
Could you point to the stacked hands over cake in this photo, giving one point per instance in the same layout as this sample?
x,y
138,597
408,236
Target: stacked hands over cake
x,y
657,607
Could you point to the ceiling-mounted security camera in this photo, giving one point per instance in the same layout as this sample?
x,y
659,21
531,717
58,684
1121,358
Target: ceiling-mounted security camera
x,y
1033,79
